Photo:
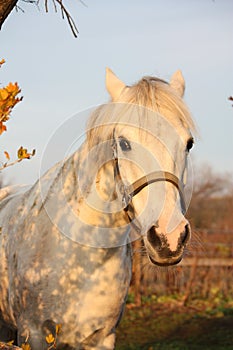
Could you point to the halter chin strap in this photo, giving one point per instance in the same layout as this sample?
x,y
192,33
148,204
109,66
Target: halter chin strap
x,y
128,192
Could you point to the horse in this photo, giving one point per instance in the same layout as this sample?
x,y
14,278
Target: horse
x,y
65,243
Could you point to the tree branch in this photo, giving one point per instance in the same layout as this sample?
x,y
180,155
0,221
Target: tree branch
x,y
6,165
70,20
6,6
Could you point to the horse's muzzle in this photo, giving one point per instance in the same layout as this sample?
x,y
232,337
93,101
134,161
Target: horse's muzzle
x,y
158,249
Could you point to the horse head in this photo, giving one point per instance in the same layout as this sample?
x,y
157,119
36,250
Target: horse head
x,y
150,144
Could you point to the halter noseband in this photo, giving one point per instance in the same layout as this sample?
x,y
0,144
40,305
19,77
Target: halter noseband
x,y
128,192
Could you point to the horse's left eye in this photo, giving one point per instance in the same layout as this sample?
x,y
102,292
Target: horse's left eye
x,y
124,144
189,144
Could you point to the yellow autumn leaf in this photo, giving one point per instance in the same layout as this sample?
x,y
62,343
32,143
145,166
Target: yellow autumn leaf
x,y
10,342
2,62
4,94
26,346
50,338
58,329
2,127
13,88
23,153
8,98
7,155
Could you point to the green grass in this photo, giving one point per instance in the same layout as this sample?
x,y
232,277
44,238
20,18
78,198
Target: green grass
x,y
159,325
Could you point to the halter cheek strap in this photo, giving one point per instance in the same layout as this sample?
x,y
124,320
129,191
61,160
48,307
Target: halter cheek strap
x,y
126,197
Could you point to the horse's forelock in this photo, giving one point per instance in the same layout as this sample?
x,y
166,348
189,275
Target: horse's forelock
x,y
150,92
157,95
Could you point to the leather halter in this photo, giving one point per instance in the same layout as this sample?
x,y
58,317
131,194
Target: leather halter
x,y
128,192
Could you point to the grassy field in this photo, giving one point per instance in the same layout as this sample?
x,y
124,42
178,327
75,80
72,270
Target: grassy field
x,y
167,325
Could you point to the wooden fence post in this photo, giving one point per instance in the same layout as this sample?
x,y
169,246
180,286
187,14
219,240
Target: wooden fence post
x,y
137,246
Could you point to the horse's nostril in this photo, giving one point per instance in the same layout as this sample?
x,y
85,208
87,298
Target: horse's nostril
x,y
185,235
153,238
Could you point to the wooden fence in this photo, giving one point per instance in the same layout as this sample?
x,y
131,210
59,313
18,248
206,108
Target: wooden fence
x,y
209,262
206,271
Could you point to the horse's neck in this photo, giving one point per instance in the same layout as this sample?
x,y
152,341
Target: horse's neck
x,y
93,207
95,174
96,180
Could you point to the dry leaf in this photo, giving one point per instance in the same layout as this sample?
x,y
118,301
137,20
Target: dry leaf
x,y
50,338
7,155
26,346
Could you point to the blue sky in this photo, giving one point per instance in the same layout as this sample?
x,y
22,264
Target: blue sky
x,y
61,76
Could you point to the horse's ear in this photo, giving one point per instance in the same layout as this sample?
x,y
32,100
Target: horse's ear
x,y
113,84
177,83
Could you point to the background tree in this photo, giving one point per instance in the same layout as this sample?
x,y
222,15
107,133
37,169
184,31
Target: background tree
x,y
212,200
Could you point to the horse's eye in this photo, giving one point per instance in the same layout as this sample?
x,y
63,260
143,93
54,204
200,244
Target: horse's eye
x,y
189,144
124,144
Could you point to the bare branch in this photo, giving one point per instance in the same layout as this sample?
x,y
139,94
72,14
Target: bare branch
x,y
55,6
35,2
70,20
6,6
83,3
6,165
19,8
